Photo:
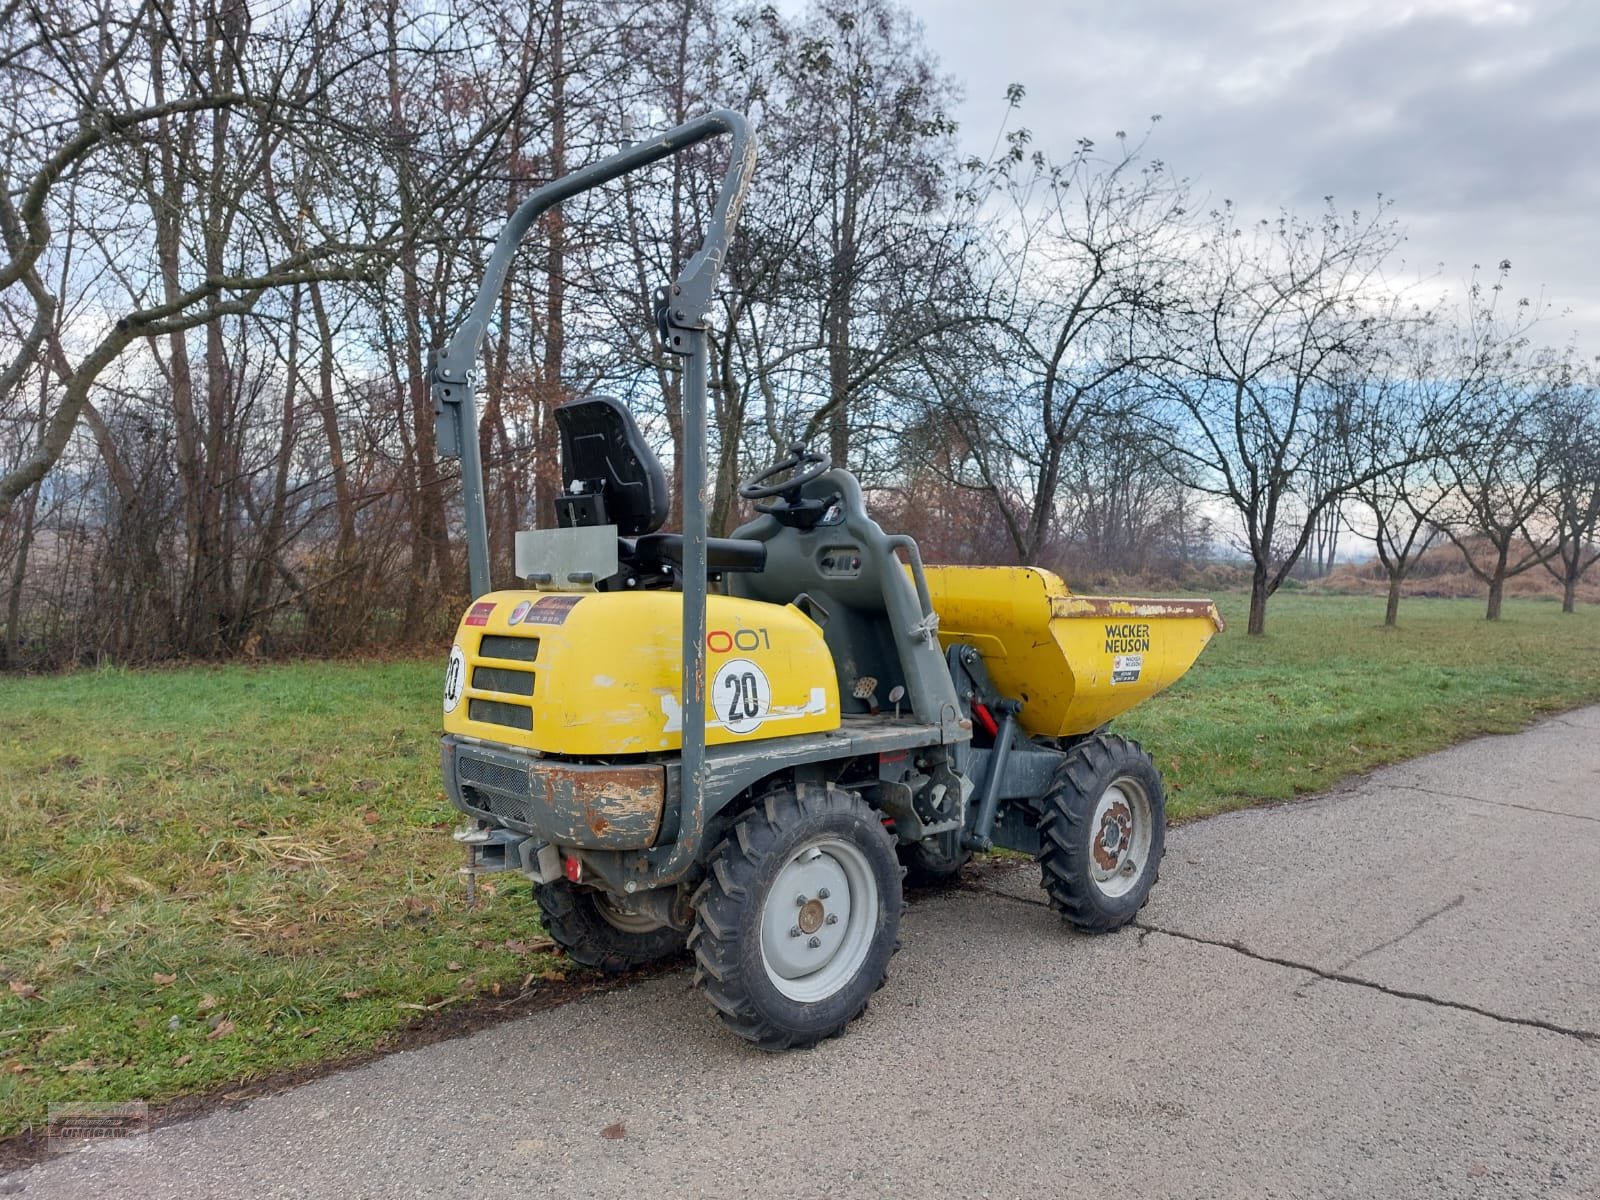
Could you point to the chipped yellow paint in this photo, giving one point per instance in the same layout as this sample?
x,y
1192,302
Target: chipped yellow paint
x,y
608,666
1059,652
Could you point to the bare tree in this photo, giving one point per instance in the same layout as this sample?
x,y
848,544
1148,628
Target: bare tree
x,y
1419,384
1571,433
1071,282
859,127
1249,391
1500,481
95,83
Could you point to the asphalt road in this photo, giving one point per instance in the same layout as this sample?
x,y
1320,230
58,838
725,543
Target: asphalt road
x,y
1389,991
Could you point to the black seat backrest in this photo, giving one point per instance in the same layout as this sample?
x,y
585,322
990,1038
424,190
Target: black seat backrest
x,y
603,452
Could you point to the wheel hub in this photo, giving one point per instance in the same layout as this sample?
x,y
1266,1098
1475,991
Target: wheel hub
x,y
1112,838
811,915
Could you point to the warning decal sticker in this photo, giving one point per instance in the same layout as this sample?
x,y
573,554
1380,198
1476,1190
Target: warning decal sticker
x,y
1125,668
550,610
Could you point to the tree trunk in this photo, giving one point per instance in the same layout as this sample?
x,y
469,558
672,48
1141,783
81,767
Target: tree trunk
x,y
327,409
19,571
430,537
842,279
1569,592
729,399
1497,590
552,388
1391,613
671,372
1258,600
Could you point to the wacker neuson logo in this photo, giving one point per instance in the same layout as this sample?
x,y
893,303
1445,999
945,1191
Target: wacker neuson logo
x,y
126,1121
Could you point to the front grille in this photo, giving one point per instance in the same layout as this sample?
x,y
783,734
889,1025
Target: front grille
x,y
514,649
503,679
479,772
498,712
495,788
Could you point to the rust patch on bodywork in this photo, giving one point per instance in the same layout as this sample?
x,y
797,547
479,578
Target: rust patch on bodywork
x,y
597,806
1111,608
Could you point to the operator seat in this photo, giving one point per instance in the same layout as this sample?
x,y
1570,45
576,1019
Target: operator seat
x,y
610,476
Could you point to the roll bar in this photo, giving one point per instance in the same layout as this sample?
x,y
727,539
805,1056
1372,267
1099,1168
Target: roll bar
x,y
682,314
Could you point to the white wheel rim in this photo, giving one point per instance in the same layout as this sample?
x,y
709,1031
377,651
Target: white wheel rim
x,y
624,919
818,921
1119,837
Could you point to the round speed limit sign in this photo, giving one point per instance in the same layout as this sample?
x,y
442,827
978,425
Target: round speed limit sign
x,y
741,696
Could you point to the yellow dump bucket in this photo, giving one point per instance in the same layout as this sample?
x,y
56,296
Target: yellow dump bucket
x,y
1075,661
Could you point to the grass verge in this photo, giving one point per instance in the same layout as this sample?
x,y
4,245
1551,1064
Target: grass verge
x,y
214,875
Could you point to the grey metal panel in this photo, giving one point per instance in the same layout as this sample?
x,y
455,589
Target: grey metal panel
x,y
1028,772
1028,776
1014,831
562,553
732,769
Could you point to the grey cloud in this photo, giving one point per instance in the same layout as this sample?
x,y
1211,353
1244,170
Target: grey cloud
x,y
1484,130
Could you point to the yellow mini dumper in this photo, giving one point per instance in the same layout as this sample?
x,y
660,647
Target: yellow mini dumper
x,y
751,772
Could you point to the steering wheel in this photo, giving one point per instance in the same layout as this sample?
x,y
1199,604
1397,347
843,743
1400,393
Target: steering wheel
x,y
796,469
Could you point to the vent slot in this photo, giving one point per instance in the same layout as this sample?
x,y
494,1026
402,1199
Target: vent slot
x,y
513,649
498,712
503,679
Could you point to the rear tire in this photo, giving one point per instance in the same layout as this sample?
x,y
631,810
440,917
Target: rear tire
x,y
933,865
798,917
594,932
1102,832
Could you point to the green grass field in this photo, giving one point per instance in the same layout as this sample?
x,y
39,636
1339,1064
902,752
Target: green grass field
x,y
211,874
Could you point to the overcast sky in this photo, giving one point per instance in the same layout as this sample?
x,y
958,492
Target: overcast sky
x,y
1480,118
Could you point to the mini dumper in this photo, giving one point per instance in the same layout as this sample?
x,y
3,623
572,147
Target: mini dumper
x,y
751,768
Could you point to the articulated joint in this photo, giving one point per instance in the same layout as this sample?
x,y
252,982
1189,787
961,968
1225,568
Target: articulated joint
x,y
676,319
450,385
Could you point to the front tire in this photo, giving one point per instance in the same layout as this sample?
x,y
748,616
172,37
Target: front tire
x,y
596,932
1102,832
797,918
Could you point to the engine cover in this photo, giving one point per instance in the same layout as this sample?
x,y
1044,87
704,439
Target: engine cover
x,y
599,673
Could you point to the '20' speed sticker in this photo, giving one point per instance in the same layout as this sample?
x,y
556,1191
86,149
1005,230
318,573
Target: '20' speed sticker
x,y
741,696
455,676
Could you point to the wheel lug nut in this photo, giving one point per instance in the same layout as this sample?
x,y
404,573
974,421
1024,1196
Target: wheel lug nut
x,y
799,901
814,942
823,893
794,931
833,918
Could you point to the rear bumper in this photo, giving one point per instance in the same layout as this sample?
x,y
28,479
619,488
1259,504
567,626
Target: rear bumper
x,y
592,806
